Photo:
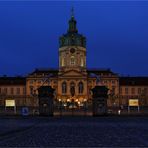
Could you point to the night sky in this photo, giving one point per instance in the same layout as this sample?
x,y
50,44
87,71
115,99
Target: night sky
x,y
116,32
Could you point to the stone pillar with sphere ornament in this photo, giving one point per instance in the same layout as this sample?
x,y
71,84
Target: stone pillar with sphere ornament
x,y
99,99
46,98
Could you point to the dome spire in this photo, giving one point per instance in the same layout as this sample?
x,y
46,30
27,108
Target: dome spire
x,y
72,12
72,23
72,37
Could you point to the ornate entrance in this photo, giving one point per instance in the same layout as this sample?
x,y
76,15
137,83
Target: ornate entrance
x,y
73,106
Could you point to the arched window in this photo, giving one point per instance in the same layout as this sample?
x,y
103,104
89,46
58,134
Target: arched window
x,y
81,87
72,89
64,87
72,60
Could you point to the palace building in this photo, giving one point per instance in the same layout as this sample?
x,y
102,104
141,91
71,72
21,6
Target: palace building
x,y
73,80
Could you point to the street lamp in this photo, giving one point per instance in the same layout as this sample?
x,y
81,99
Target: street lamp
x,y
60,106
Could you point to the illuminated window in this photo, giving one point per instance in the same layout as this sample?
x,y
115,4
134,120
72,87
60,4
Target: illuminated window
x,y
80,87
64,87
72,60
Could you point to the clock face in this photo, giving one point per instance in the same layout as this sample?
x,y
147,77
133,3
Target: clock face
x,y
72,50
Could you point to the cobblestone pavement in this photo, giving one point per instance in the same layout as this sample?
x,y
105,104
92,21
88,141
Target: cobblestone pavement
x,y
74,132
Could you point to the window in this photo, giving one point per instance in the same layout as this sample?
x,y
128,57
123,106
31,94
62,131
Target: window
x,y
80,87
31,89
72,89
113,89
72,60
24,91
145,91
133,91
126,90
12,91
64,87
17,91
5,90
139,91
120,90
113,81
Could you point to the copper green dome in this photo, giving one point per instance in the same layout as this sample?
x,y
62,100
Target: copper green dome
x,y
72,37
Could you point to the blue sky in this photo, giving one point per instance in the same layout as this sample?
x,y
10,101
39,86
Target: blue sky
x,y
116,32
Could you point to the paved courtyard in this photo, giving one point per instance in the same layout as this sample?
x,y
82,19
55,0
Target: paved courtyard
x,y
73,131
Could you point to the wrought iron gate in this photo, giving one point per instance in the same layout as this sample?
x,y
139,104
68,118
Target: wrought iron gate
x,y
73,107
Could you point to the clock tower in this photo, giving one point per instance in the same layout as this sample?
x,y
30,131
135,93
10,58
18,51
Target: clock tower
x,y
72,76
72,49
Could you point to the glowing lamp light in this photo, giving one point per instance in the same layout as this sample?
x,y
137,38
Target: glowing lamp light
x,y
65,104
85,100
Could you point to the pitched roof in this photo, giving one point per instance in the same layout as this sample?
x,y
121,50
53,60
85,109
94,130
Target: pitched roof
x,y
100,70
12,80
45,71
55,71
132,81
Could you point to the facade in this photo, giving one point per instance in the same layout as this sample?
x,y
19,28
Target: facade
x,y
133,88
73,81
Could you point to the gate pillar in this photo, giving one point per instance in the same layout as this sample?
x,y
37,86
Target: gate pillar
x,y
99,99
46,96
